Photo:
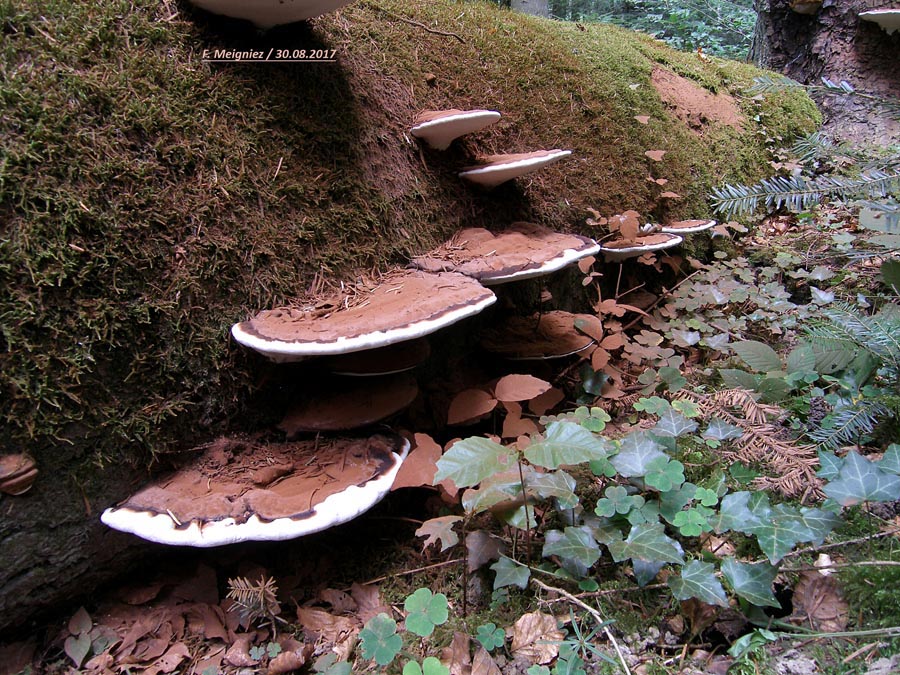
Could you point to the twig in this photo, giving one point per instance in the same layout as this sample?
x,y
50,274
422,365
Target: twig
x,y
416,23
408,572
601,622
861,563
849,542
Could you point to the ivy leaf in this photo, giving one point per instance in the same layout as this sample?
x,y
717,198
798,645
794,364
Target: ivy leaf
x,y
664,474
379,639
510,574
425,611
819,522
617,500
698,580
647,542
720,430
673,501
439,530
556,485
735,513
751,582
645,571
472,460
566,443
575,547
758,355
636,452
691,523
890,462
860,480
490,636
830,465
780,531
673,424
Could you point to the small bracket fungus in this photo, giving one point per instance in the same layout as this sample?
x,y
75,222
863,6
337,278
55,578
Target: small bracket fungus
x,y
622,249
403,306
523,251
546,336
351,403
887,18
239,491
17,474
501,168
439,128
687,226
269,13
807,7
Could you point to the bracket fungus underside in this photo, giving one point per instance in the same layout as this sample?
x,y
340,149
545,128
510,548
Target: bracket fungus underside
x,y
439,128
523,251
498,169
887,17
239,491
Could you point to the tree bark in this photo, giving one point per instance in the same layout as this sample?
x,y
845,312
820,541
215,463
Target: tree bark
x,y
834,43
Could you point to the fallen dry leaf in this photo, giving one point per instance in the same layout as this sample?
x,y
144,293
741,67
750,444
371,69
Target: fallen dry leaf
x,y
819,603
483,664
169,661
670,195
655,155
482,548
292,657
318,623
519,388
470,405
643,119
699,615
456,656
207,621
419,467
534,637
439,530
211,659
368,598
238,654
341,602
139,595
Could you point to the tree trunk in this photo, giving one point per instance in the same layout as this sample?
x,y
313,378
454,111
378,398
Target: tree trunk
x,y
535,7
834,43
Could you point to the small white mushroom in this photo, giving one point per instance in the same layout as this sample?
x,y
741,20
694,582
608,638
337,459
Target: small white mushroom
x,y
498,169
439,128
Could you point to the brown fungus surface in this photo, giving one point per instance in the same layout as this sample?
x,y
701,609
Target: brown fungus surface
x,y
17,473
524,250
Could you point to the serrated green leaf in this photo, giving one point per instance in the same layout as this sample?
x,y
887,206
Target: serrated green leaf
x,y
566,443
890,274
742,473
733,378
802,359
698,580
636,451
831,357
757,355
508,573
647,542
752,582
664,474
890,462
673,424
425,610
575,547
553,485
860,480
773,389
379,639
472,460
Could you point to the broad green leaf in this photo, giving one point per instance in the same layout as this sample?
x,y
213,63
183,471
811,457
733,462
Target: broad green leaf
x,y
736,514
734,378
379,639
508,573
774,389
472,460
829,465
566,443
781,529
77,647
653,405
831,356
890,462
751,582
636,451
691,523
499,488
742,473
819,522
647,542
698,580
575,547
802,359
553,485
890,274
425,611
673,501
860,480
673,424
758,355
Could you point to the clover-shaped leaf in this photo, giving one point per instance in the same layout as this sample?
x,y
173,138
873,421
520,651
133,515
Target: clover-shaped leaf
x,y
490,636
653,405
379,639
706,496
664,474
430,666
617,500
425,611
686,408
691,523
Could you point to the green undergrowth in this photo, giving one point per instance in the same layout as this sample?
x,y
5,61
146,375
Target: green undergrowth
x,y
149,199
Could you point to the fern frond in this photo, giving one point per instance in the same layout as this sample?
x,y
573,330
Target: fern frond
x,y
847,424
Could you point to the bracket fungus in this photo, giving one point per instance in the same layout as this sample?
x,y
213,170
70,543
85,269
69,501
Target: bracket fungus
x,y
351,403
888,18
551,335
403,306
439,128
269,13
17,474
239,491
498,169
523,251
687,226
622,249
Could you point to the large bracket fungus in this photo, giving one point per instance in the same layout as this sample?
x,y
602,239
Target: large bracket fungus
x,y
622,249
403,306
498,169
523,251
17,474
238,491
439,128
888,18
269,13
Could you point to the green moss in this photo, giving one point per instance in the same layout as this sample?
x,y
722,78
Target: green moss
x,y
149,199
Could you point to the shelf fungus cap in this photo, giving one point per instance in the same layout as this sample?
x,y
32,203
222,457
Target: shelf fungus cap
x,y
238,491
402,306
523,251
551,335
269,13
687,226
17,473
621,249
887,18
498,169
439,128
351,403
